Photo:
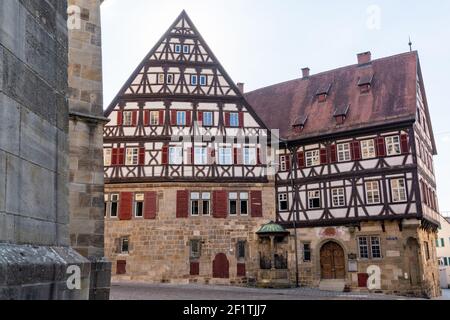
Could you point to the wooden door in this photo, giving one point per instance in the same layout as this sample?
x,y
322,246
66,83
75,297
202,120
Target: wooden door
x,y
332,261
221,267
412,260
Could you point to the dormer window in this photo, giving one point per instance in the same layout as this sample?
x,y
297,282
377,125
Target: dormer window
x,y
340,114
322,93
365,83
299,124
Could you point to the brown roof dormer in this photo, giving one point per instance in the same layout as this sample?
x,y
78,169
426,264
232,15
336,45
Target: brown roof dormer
x,y
340,114
323,92
299,124
365,83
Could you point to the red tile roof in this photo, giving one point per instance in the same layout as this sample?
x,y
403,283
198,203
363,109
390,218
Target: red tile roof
x,y
392,98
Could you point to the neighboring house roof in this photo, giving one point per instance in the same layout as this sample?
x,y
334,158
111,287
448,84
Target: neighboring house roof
x,y
391,98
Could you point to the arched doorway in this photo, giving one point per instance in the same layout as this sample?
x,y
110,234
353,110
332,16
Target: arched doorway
x,y
332,261
221,267
412,261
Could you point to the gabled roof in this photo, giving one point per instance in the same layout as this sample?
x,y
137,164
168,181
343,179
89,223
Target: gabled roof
x,y
391,98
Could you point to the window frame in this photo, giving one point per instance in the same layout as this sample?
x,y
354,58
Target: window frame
x,y
371,246
133,158
241,245
367,151
312,157
250,156
309,251
224,156
179,156
234,119
392,146
371,191
116,201
210,117
203,80
347,154
188,51
136,201
238,200
154,118
338,196
318,197
181,118
397,190
122,241
283,197
203,197
107,157
195,254
127,118
194,80
179,46
283,163
203,156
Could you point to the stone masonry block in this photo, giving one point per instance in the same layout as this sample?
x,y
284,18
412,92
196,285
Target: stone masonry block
x,y
9,124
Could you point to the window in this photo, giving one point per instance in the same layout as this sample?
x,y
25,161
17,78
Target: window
x,y
234,119
200,156
446,261
343,150
175,155
373,192
368,149
200,203
107,157
203,80
195,249
139,205
127,118
113,208
225,156
238,203
124,245
169,79
240,250
207,119
154,118
306,252
186,49
442,243
398,188
314,199
105,206
132,158
437,243
283,163
427,250
250,156
338,197
283,202
393,145
312,158
181,118
369,247
178,48
161,78
194,80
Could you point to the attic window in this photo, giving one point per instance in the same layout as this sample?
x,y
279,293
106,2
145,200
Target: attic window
x,y
299,124
322,93
340,114
365,83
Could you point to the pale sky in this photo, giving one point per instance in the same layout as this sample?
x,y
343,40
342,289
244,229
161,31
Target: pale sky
x,y
263,42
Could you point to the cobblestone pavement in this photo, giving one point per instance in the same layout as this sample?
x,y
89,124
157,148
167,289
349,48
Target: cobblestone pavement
x,y
142,291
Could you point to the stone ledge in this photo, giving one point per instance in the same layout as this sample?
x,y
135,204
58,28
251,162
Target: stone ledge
x,y
37,272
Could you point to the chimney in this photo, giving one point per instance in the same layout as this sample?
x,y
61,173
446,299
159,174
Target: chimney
x,y
305,72
240,86
364,57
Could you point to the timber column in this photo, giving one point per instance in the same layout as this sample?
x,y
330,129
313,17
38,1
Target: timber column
x,y
86,186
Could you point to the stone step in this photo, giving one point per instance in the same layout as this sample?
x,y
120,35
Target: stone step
x,y
332,285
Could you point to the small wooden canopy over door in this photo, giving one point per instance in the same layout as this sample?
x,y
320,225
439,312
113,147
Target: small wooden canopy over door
x,y
332,261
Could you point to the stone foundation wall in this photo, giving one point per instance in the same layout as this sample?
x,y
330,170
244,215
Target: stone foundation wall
x,y
394,264
159,249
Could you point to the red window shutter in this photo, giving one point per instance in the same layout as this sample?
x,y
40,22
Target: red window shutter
x,y
323,156
121,156
236,157
333,153
134,118
146,117
165,155
126,206
114,157
301,159
182,204
173,118
194,269
161,117
404,143
227,119
381,148
241,119
356,150
241,270
142,156
188,118
288,162
190,155
200,116
258,157
150,205
119,118
220,204
256,204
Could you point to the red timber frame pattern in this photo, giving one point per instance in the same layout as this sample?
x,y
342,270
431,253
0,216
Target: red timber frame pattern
x,y
154,140
297,178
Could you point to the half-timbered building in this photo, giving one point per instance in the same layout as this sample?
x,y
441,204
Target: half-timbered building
x,y
356,174
189,193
